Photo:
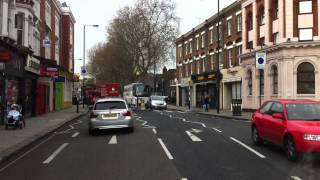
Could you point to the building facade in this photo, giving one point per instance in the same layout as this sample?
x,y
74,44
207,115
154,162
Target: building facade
x,y
288,33
204,68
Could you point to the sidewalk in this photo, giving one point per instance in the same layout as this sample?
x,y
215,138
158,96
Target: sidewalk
x,y
11,141
246,116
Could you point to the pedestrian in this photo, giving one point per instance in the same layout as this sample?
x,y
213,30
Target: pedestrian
x,y
206,102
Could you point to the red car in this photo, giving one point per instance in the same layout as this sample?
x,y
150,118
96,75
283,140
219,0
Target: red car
x,y
293,124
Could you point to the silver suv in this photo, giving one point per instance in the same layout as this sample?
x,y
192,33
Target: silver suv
x,y
110,113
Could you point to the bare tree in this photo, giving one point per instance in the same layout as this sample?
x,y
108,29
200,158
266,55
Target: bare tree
x,y
139,37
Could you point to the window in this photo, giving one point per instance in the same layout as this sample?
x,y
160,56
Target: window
x,y
190,47
305,79
198,67
266,108
276,108
197,43
220,60
30,33
229,27
236,90
186,48
191,68
306,34
187,70
229,53
250,45
276,38
275,9
212,61
262,41
211,36
203,65
110,105
180,51
19,21
202,41
249,22
239,23
262,16
239,52
274,79
249,77
305,7
261,82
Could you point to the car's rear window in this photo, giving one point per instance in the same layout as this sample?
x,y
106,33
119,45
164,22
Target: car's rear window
x,y
110,105
303,111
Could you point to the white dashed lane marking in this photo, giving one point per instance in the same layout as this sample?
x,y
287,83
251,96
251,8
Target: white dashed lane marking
x,y
75,134
154,131
165,149
219,131
247,147
50,158
113,140
193,137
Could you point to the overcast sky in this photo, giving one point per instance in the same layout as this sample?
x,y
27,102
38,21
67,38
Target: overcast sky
x,y
101,12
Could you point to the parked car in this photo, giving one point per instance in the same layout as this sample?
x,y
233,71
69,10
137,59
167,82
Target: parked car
x,y
110,113
157,102
293,124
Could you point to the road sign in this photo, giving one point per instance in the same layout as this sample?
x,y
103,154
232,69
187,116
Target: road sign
x,y
84,71
261,58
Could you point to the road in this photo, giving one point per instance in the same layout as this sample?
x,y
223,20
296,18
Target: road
x,y
165,145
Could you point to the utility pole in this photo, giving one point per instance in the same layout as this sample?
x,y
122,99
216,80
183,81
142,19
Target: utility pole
x,y
218,54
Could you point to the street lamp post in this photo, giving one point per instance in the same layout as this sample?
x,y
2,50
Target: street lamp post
x,y
84,57
218,79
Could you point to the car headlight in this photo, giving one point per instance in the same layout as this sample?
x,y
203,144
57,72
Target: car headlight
x,y
311,137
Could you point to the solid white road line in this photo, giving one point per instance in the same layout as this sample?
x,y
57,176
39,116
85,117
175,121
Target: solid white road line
x,y
154,131
50,158
247,147
295,178
193,137
75,134
203,125
165,149
184,179
219,131
113,140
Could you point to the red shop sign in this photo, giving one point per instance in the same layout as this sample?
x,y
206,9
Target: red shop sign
x,y
48,71
5,56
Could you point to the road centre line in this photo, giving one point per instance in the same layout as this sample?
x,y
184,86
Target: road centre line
x,y
165,149
217,130
50,158
113,140
295,178
248,148
154,131
193,137
75,134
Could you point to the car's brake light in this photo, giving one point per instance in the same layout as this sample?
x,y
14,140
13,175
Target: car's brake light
x,y
128,113
93,115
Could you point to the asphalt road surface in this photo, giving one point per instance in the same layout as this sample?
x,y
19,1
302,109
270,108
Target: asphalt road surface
x,y
165,145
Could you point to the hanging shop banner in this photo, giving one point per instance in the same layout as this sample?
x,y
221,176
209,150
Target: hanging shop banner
x,y
33,65
49,71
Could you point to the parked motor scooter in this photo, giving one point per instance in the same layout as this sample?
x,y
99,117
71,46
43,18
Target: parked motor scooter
x,y
15,117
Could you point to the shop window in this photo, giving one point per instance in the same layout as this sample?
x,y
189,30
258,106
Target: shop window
x,y
249,77
274,78
305,79
236,90
239,23
305,7
306,34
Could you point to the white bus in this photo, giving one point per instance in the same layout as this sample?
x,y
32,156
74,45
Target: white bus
x,y
136,93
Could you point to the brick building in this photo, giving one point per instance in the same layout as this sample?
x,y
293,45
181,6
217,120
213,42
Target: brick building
x,y
201,60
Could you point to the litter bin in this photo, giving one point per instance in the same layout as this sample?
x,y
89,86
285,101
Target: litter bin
x,y
236,107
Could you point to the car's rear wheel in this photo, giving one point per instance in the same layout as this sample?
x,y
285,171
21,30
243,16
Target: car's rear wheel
x,y
256,139
291,149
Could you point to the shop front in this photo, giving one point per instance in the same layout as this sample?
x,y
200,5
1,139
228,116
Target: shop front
x,y
67,88
231,86
59,93
185,92
205,84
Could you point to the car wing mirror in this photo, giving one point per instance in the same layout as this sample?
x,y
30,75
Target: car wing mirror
x,y
277,116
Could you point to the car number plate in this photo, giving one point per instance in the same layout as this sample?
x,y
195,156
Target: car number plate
x,y
109,116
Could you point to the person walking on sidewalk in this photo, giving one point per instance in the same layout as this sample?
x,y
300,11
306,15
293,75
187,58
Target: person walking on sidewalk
x,y
206,103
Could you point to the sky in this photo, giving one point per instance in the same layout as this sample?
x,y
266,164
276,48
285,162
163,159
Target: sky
x,y
101,12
